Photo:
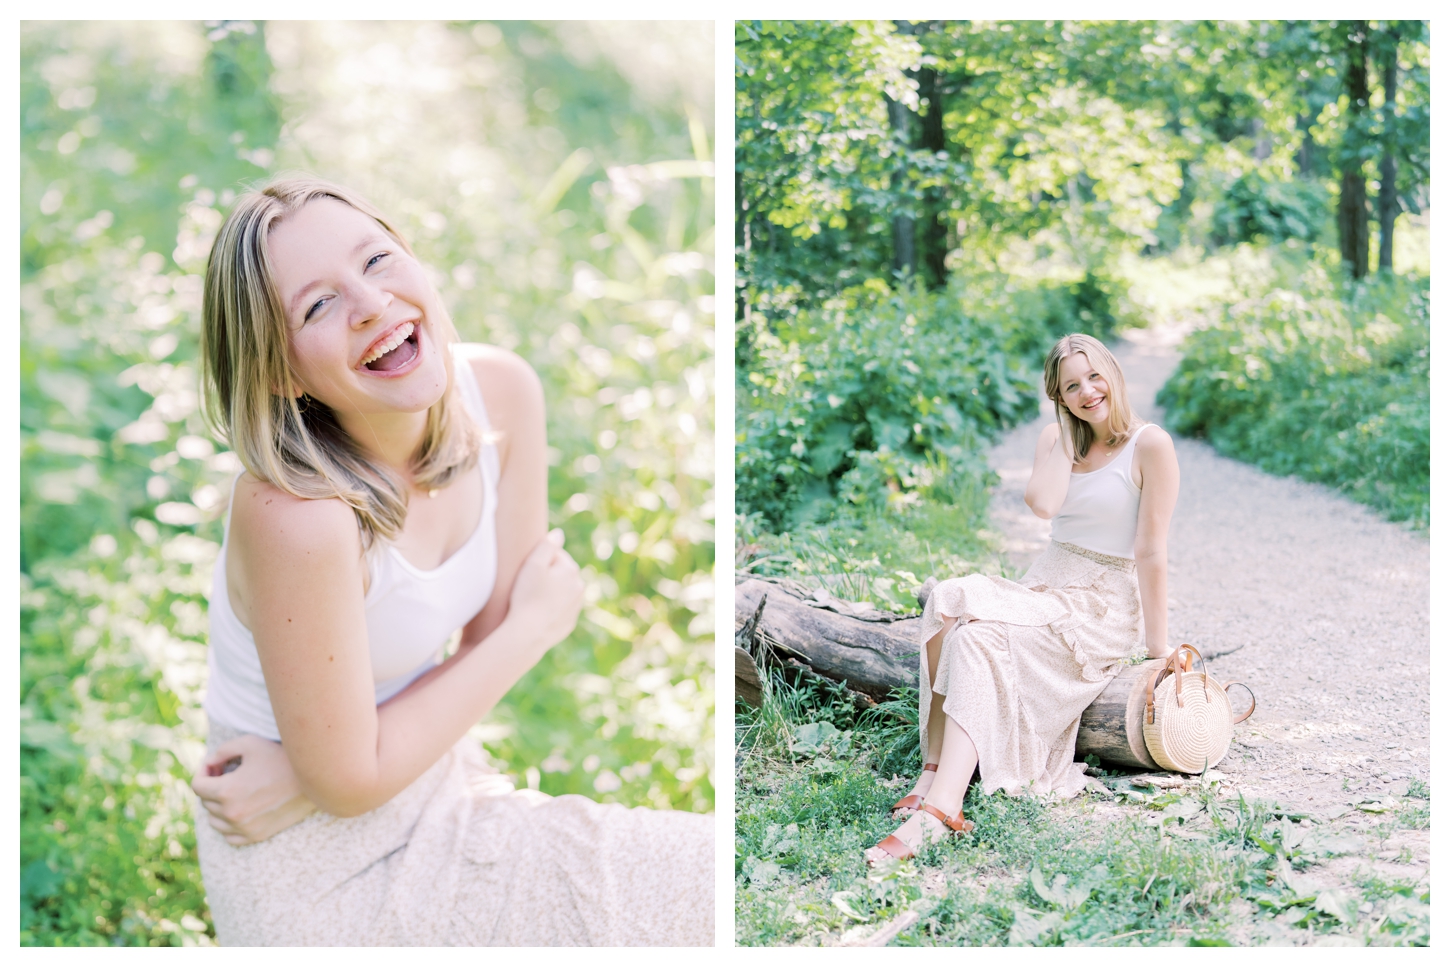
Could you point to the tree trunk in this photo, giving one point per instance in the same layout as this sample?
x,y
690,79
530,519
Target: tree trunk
x,y
1112,726
874,652
933,139
742,245
903,222
1353,202
1389,199
1304,157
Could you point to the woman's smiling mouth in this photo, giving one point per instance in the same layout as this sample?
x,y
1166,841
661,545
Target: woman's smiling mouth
x,y
392,352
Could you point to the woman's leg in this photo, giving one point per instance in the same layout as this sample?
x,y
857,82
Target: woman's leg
x,y
954,771
958,762
936,718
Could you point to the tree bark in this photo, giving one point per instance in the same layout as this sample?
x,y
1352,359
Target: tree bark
x,y
1389,199
1304,157
1353,202
933,138
903,221
873,652
1112,726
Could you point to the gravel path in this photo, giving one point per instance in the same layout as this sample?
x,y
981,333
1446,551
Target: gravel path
x,y
1314,601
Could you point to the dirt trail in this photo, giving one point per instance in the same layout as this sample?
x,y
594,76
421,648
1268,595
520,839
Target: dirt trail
x,y
1314,601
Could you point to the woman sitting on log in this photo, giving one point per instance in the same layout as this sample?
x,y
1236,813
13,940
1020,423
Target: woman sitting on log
x,y
1007,668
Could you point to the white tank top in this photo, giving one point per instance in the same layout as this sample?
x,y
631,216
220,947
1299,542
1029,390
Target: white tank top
x,y
1101,509
411,613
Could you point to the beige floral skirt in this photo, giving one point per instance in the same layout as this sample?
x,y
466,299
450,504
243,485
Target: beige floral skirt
x,y
461,858
1026,658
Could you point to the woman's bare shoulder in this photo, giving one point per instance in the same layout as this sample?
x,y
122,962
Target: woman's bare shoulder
x,y
1050,433
1155,441
270,521
511,389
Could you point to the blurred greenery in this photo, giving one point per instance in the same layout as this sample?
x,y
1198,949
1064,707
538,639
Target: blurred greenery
x,y
557,179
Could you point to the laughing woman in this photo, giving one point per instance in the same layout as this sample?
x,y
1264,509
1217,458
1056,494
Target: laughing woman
x,y
394,492
1007,668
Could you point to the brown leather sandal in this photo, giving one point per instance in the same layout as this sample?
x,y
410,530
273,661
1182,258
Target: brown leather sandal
x,y
898,850
913,802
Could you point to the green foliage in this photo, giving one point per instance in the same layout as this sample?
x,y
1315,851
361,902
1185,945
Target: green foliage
x,y
1074,141
1029,144
883,396
1331,385
880,555
1255,209
113,661
121,126
578,232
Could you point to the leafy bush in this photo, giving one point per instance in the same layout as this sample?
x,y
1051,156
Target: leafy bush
x,y
883,397
1331,386
1257,209
114,658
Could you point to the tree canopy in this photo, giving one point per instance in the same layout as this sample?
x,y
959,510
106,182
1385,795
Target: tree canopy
x,y
877,148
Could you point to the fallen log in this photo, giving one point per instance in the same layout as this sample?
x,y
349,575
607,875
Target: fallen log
x,y
872,656
875,652
1112,726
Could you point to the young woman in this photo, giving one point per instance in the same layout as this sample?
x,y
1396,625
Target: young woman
x,y
1007,668
395,492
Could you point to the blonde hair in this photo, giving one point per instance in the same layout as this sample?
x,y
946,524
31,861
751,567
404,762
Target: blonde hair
x,y
1121,419
250,393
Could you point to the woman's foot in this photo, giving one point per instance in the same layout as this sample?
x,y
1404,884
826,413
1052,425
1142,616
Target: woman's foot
x,y
926,825
912,801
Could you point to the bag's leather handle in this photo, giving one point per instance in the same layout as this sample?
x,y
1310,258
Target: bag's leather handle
x,y
1178,671
1253,702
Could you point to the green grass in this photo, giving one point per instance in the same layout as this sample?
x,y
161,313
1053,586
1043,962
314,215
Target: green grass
x,y
1135,866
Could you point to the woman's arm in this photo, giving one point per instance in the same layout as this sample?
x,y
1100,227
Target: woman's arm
x,y
1051,473
302,557
514,398
1158,465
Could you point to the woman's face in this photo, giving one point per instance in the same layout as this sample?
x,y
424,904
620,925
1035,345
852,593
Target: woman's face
x,y
361,316
1084,390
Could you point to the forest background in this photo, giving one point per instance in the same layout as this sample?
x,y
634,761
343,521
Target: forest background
x,y
557,179
923,208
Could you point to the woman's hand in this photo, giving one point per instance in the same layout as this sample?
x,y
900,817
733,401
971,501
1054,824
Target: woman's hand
x,y
260,795
547,594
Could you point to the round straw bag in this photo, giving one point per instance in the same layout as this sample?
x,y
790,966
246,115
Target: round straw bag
x,y
1187,722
